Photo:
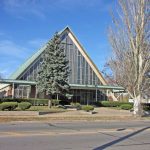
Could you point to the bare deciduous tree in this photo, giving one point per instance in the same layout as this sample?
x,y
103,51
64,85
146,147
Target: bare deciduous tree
x,y
130,40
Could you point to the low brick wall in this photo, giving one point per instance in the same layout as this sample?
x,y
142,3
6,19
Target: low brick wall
x,y
19,113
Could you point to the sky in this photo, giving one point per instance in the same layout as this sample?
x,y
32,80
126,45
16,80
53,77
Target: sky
x,y
26,25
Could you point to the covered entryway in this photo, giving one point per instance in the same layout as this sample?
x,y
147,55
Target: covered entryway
x,y
17,88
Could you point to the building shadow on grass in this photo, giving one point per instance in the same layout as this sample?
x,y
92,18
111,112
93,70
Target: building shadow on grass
x,y
120,139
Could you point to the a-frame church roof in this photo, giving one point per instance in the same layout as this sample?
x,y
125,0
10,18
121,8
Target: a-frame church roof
x,y
29,61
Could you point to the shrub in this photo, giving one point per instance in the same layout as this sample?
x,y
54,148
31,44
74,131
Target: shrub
x,y
98,103
33,101
38,102
113,103
24,105
146,106
126,106
76,105
105,104
110,104
87,108
8,106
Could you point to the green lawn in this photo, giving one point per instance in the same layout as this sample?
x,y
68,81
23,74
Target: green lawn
x,y
44,108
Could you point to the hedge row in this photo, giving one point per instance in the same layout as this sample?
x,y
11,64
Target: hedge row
x,y
146,106
8,106
126,106
24,105
13,105
113,103
34,102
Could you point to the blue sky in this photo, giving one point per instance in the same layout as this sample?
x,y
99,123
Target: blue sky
x,y
27,24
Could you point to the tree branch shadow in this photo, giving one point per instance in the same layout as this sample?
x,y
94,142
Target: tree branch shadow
x,y
120,139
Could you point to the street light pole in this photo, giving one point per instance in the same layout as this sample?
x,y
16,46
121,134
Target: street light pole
x,y
96,93
96,90
13,90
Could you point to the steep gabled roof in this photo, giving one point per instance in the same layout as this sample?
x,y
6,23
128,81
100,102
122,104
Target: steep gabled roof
x,y
86,56
29,61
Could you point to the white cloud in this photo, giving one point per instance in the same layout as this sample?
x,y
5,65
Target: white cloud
x,y
7,67
12,54
20,8
4,73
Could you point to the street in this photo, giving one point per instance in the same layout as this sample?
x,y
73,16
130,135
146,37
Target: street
x,y
112,135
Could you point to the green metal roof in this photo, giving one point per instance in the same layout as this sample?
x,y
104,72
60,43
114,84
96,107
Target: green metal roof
x,y
27,63
79,86
22,82
73,86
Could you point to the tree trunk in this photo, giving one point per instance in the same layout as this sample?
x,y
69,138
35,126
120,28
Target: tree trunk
x,y
57,96
138,111
49,102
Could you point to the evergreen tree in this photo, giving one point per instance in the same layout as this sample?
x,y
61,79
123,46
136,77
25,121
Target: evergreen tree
x,y
54,70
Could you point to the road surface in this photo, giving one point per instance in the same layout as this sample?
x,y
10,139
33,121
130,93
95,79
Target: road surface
x,y
75,135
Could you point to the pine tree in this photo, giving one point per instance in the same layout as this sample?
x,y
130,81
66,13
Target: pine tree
x,y
54,70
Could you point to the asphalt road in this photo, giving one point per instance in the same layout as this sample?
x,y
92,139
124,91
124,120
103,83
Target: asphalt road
x,y
75,136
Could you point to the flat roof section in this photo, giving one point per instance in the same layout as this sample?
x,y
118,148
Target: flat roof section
x,y
11,81
109,87
73,86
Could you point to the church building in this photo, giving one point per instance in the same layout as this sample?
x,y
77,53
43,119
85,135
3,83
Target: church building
x,y
85,80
